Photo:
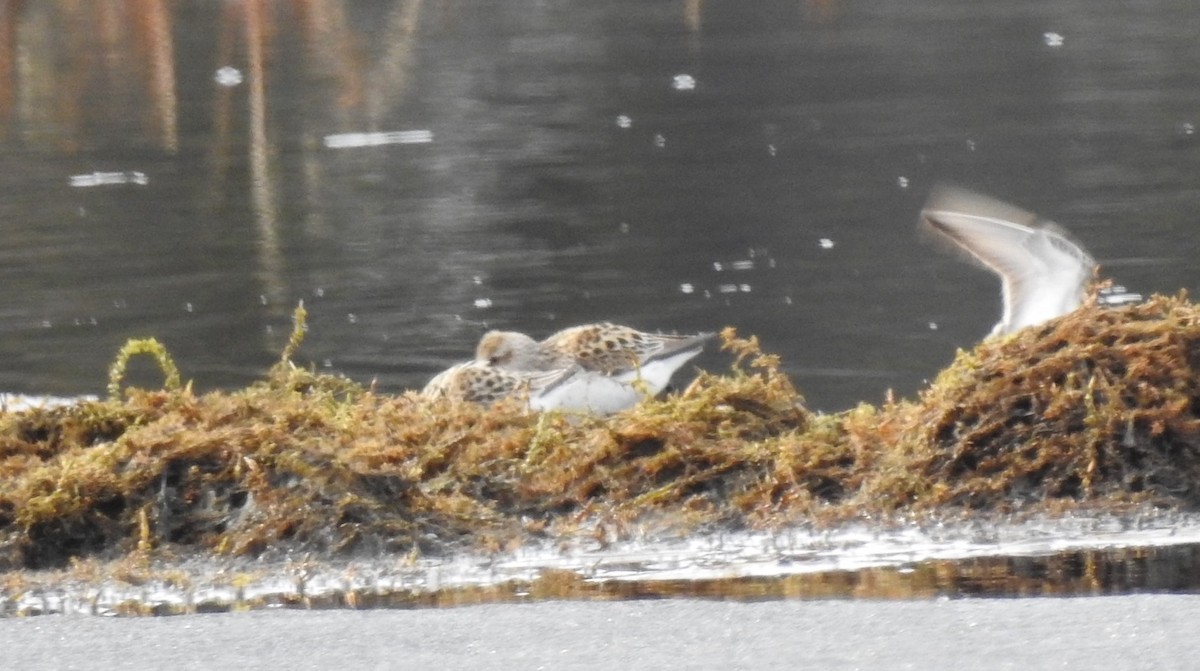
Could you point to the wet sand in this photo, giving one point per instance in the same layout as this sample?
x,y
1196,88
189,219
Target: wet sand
x,y
1124,632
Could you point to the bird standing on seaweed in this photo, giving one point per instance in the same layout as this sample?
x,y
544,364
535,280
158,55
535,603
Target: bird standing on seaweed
x,y
1043,273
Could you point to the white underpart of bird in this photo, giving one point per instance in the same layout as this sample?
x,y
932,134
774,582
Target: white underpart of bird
x,y
1043,273
605,394
585,391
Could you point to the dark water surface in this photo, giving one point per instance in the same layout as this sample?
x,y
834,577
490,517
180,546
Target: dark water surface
x,y
677,166
671,165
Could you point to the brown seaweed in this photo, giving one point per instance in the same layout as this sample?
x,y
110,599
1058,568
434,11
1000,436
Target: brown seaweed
x,y
1096,409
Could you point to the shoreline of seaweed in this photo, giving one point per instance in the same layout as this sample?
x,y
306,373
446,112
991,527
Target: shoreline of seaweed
x,y
1095,412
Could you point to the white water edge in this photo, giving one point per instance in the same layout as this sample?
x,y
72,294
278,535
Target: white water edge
x,y
212,586
855,547
18,402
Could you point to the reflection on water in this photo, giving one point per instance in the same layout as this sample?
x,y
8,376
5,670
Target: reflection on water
x,y
1072,557
677,165
1077,573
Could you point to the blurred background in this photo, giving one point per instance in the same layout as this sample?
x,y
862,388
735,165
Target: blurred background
x,y
419,171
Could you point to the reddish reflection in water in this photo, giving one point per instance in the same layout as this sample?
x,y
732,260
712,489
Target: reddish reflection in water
x,y
569,176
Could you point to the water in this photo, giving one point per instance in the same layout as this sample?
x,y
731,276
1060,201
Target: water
x,y
180,170
1066,556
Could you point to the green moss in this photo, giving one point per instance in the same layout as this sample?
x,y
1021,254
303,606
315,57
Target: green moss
x,y
148,346
1096,409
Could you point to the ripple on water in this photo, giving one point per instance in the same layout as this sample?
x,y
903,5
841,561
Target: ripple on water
x,y
1076,555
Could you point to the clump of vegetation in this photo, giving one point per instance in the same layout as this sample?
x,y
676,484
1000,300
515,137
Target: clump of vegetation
x,y
1103,404
1098,408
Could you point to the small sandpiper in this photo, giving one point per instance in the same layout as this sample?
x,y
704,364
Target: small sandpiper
x,y
1043,273
620,364
477,382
